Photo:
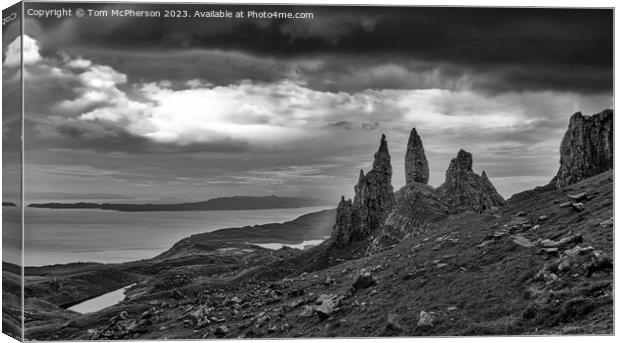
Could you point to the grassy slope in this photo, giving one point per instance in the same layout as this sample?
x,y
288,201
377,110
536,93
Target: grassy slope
x,y
469,290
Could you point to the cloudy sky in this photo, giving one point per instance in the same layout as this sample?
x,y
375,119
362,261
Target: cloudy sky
x,y
166,109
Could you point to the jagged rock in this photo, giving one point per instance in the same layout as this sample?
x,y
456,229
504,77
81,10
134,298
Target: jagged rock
x,y
416,166
578,207
342,232
327,305
417,206
586,149
463,190
608,223
426,320
566,204
374,199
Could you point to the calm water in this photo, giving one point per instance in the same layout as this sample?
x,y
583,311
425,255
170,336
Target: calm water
x,y
303,245
100,302
63,236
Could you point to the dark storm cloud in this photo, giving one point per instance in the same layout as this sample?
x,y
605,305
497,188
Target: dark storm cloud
x,y
102,137
518,49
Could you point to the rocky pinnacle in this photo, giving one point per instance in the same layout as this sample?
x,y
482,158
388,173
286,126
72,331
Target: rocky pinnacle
x,y
416,165
374,198
464,190
586,149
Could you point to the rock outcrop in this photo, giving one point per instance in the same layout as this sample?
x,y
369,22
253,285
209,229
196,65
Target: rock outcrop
x,y
586,149
343,228
416,166
464,190
374,198
416,207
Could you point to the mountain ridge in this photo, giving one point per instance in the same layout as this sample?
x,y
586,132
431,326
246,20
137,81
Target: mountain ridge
x,y
216,204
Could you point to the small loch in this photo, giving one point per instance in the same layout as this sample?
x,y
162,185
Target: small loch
x,y
101,302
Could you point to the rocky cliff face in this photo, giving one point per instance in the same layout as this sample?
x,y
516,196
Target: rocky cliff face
x,y
586,149
374,198
416,166
464,190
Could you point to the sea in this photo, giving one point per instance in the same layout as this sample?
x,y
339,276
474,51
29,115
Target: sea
x,y
58,236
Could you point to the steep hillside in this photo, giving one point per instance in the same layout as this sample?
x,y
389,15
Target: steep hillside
x,y
535,266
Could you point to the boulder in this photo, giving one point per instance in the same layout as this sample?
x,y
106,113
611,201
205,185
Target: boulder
x,y
586,149
327,305
578,197
426,320
364,280
578,207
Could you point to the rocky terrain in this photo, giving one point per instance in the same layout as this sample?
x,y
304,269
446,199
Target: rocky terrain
x,y
455,260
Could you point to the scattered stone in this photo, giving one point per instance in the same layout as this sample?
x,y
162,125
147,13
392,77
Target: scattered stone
x,y
565,204
543,218
579,196
578,207
484,244
535,227
451,308
328,304
364,280
329,281
608,223
522,241
577,250
548,243
426,320
298,302
521,214
235,300
306,311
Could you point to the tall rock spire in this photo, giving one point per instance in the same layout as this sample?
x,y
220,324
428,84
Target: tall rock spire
x,y
416,165
374,198
587,148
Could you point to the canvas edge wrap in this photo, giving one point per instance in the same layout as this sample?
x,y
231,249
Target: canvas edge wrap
x,y
12,28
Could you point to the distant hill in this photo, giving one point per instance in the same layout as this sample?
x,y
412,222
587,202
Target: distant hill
x,y
217,204
6,203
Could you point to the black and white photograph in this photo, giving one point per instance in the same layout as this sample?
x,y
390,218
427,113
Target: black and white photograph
x,y
206,171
